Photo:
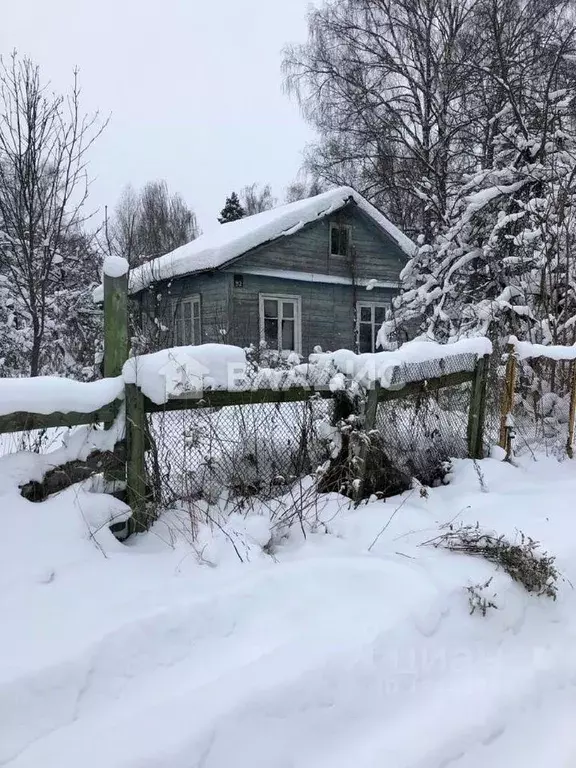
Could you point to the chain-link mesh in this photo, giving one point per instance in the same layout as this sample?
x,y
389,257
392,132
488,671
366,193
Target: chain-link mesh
x,y
417,434
541,408
432,369
541,405
496,385
259,450
255,450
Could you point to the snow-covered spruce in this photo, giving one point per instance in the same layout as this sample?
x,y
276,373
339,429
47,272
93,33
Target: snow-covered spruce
x,y
503,260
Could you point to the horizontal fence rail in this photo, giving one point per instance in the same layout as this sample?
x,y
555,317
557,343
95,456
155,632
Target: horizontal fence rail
x,y
22,421
222,398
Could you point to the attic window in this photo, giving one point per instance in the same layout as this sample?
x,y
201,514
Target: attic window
x,y
340,236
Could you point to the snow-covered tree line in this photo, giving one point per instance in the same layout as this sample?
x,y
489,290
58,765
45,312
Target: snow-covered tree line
x,y
51,242
47,321
255,198
458,117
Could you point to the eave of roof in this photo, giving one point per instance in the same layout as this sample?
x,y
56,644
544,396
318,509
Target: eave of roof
x,y
229,242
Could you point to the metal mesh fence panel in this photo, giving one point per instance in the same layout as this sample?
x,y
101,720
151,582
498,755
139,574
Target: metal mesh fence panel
x,y
34,441
432,369
494,396
255,450
418,434
541,405
541,408
260,449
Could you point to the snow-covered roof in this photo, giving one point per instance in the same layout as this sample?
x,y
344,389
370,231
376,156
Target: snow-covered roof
x,y
227,242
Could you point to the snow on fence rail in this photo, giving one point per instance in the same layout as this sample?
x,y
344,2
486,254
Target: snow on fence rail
x,y
260,428
49,401
423,402
525,350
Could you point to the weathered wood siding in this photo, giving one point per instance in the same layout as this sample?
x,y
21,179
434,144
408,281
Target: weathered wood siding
x,y
328,316
373,255
214,290
328,310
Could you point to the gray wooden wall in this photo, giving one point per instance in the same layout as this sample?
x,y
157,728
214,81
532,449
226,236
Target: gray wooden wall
x,y
373,253
214,291
328,316
327,310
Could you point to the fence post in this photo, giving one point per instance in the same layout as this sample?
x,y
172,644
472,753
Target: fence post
x,y
115,323
370,413
136,457
477,410
569,445
115,342
505,441
115,355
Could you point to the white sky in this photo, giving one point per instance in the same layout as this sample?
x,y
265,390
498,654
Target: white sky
x,y
193,88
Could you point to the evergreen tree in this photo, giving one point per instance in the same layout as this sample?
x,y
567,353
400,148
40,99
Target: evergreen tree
x,y
500,260
232,211
505,262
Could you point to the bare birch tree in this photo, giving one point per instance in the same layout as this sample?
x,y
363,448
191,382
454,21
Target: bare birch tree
x,y
384,82
44,140
150,223
255,199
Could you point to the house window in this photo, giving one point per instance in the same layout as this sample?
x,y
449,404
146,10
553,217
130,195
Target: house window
x,y
186,318
340,237
369,318
280,325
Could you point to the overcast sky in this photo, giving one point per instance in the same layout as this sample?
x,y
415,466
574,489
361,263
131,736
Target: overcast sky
x,y
193,88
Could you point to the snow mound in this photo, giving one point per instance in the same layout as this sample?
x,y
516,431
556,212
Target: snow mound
x,y
115,266
333,652
178,371
228,241
52,394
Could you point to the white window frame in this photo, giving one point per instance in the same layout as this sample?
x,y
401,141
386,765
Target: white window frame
x,y
335,225
280,297
373,305
177,305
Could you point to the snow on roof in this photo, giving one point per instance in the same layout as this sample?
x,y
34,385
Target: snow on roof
x,y
228,241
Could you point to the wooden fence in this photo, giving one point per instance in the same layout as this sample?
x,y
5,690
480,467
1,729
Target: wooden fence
x,y
138,406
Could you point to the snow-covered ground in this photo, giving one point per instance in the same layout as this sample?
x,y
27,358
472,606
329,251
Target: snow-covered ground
x,y
333,651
